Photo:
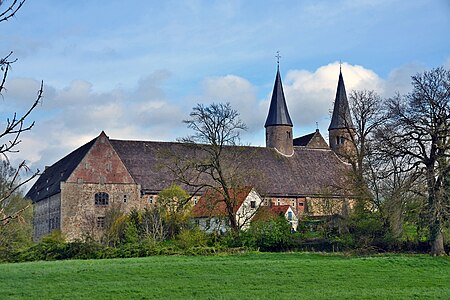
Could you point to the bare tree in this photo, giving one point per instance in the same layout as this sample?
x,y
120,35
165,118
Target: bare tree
x,y
419,131
218,165
367,111
15,126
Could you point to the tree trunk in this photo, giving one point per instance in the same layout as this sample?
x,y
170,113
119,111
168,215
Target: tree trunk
x,y
435,227
436,240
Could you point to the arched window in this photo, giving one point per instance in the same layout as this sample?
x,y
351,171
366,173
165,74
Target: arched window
x,y
101,198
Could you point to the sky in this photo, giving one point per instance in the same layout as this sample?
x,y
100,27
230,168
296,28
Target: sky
x,y
135,69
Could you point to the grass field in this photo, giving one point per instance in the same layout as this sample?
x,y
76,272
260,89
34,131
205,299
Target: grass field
x,y
250,276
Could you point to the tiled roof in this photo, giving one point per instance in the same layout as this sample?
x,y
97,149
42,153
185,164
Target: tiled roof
x,y
307,172
303,140
280,209
212,203
265,213
48,183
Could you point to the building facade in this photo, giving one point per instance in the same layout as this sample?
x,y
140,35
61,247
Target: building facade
x,y
75,193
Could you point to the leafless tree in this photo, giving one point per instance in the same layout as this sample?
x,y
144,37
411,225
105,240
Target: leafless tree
x,y
15,126
367,111
218,165
419,131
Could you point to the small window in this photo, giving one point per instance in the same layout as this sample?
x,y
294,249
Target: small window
x,y
100,222
301,204
150,199
86,165
290,215
293,203
288,134
125,198
108,166
253,204
101,198
278,202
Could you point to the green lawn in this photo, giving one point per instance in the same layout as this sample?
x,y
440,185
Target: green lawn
x,y
250,276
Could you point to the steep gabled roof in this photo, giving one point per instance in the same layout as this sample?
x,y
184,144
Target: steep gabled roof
x,y
312,140
278,112
48,183
341,118
303,140
212,203
307,172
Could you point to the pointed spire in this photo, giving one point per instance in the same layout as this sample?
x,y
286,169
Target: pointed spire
x,y
278,112
341,112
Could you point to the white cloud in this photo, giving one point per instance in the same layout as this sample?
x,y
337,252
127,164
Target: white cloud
x,y
310,95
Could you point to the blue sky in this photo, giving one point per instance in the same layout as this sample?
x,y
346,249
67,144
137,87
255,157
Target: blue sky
x,y
136,68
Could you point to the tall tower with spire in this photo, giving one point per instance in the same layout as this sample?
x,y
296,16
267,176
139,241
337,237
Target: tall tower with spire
x,y
341,130
278,124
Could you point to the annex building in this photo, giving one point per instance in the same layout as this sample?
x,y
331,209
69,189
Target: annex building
x,y
75,192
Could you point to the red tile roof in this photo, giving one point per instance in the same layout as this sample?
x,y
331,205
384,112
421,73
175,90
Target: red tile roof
x,y
212,203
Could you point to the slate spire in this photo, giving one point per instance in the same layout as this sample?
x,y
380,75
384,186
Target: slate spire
x,y
278,112
341,112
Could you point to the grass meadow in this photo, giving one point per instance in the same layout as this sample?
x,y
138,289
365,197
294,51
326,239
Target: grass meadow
x,y
248,276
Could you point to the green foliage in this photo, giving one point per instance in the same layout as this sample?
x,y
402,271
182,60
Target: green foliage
x,y
16,235
174,202
271,235
52,247
189,238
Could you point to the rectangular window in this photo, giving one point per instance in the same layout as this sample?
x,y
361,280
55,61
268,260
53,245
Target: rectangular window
x,y
100,222
150,199
125,198
290,215
293,203
278,202
253,204
300,204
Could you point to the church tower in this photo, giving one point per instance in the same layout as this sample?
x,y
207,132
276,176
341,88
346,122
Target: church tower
x,y
341,130
278,124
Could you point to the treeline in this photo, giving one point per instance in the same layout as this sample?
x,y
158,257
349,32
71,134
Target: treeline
x,y
138,235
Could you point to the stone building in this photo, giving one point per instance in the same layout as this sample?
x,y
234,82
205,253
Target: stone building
x,y
74,194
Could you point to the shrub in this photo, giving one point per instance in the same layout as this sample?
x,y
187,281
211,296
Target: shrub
x,y
271,235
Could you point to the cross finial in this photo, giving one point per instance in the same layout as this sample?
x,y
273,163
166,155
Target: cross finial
x,y
317,125
278,56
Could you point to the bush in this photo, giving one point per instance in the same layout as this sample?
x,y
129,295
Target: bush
x,y
271,235
189,238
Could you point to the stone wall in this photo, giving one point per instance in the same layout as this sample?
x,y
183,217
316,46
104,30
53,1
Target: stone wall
x,y
340,142
280,138
80,214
